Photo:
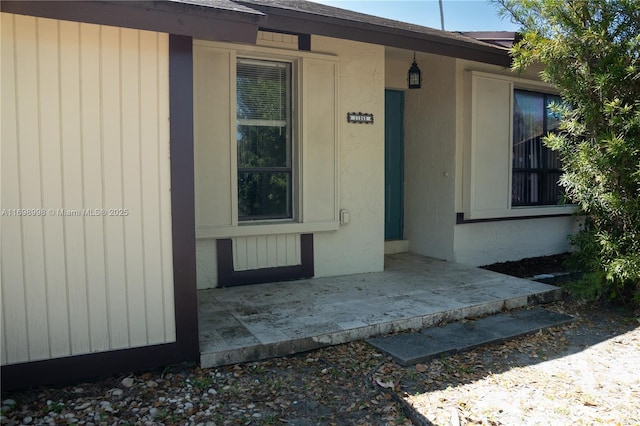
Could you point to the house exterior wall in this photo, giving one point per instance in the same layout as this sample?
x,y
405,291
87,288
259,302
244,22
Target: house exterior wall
x,y
458,162
483,176
359,245
430,167
489,242
85,126
339,165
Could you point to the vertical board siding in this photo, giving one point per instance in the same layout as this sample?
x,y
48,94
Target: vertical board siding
x,y
165,316
29,132
283,41
131,197
15,344
57,308
92,186
266,251
85,126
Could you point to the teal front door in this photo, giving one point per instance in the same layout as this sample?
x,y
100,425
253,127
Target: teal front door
x,y
394,164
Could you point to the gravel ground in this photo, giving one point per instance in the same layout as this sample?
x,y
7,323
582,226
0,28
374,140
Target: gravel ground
x,y
329,386
583,373
586,372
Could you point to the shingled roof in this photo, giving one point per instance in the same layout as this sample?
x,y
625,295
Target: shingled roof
x,y
316,18
239,21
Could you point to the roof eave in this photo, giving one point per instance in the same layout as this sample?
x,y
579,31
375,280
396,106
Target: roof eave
x,y
178,18
295,21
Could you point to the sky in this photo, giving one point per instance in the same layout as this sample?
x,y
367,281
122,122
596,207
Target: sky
x,y
459,15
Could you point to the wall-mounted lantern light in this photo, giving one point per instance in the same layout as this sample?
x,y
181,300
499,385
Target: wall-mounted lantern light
x,y
414,76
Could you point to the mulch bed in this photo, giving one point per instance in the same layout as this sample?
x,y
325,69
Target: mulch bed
x,y
585,372
527,268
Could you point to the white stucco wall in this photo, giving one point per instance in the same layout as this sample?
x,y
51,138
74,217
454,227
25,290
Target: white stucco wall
x,y
489,242
359,245
482,243
438,155
430,134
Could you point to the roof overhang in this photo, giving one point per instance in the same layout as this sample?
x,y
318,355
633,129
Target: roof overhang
x,y
370,29
221,20
239,21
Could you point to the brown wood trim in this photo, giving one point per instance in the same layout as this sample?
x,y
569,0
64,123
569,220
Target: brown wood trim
x,y
71,369
224,259
460,220
228,277
186,347
205,22
306,255
182,195
304,42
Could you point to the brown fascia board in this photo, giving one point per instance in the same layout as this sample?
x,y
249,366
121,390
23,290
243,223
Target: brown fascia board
x,y
199,21
452,45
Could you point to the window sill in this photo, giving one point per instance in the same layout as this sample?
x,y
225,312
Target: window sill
x,y
262,228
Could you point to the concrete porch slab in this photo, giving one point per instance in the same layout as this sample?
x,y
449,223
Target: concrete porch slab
x,y
250,323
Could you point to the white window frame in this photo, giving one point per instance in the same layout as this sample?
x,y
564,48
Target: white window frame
x,y
307,219
471,194
293,136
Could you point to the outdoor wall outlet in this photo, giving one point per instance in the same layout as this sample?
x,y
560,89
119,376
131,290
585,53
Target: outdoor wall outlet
x,y
344,217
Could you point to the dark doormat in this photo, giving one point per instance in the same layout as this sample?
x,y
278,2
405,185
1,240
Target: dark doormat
x,y
432,342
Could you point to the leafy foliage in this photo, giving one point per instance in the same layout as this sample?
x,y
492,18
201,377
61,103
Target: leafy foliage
x,y
591,53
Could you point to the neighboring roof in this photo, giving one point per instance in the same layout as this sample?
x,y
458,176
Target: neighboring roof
x,y
500,38
239,21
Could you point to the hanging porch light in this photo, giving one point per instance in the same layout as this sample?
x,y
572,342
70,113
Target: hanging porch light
x,y
414,76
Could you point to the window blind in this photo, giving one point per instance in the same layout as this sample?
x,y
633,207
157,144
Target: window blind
x,y
262,92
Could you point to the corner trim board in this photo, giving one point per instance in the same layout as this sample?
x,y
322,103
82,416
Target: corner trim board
x,y
183,195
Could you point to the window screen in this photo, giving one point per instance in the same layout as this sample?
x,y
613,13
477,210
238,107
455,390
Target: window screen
x,y
536,168
264,139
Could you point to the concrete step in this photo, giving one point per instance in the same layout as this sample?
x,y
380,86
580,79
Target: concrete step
x,y
429,343
396,246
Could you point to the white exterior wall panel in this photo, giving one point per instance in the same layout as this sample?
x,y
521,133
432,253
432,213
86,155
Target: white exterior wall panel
x,y
85,126
266,251
480,244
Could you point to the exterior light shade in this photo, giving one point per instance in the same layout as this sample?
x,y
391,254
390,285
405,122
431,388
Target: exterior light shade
x,y
414,76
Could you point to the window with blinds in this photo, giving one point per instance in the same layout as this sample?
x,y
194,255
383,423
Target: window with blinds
x,y
536,168
264,140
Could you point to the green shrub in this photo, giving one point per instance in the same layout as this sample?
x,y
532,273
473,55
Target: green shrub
x,y
591,53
